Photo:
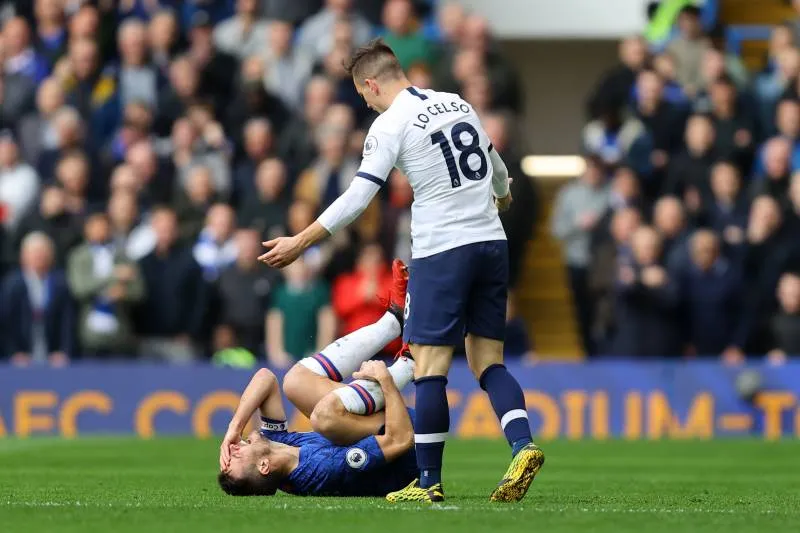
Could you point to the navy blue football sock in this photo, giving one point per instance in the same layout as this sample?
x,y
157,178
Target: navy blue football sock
x,y
431,427
508,402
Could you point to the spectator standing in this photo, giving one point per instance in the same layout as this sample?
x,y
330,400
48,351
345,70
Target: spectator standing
x,y
577,211
193,203
331,173
106,285
357,295
646,303
617,140
734,127
137,76
253,101
51,218
669,218
688,49
37,309
36,130
785,324
286,67
215,248
20,56
170,317
298,146
710,304
614,88
19,183
175,98
258,146
266,210
688,175
610,254
245,33
244,292
300,321
92,91
163,40
727,214
403,35
316,33
51,33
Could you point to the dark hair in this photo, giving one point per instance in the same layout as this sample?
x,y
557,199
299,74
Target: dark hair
x,y
373,60
253,485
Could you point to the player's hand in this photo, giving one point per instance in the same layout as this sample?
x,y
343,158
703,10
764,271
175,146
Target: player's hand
x,y
231,437
504,203
283,251
373,370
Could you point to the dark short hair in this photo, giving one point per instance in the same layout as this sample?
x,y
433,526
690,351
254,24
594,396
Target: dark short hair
x,y
252,485
373,60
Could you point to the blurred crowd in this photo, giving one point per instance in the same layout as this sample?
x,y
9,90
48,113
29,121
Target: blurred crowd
x,y
682,237
148,147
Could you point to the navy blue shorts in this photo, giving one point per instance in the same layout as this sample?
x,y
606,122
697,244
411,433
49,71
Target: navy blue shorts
x,y
458,291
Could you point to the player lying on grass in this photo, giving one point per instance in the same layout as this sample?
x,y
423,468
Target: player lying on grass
x,y
363,438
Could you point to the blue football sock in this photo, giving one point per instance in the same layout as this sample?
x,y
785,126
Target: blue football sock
x,y
508,402
431,427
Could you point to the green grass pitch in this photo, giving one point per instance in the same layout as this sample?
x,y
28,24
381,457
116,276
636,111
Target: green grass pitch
x,y
162,485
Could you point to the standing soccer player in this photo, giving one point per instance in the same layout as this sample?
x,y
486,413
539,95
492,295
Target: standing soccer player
x,y
459,266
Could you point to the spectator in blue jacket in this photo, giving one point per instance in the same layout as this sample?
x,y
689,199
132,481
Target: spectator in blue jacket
x,y
37,309
710,290
170,319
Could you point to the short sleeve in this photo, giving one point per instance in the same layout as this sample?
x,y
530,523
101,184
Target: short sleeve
x,y
364,455
381,148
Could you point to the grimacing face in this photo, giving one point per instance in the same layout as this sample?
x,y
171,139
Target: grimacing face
x,y
246,454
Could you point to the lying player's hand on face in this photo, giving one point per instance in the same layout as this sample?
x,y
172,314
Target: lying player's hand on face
x,y
231,437
372,370
283,251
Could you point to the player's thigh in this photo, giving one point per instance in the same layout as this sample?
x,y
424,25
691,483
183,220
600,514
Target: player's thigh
x,y
436,299
331,419
488,297
304,388
431,360
482,353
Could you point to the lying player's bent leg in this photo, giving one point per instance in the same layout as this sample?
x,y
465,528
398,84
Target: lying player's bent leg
x,y
332,420
305,388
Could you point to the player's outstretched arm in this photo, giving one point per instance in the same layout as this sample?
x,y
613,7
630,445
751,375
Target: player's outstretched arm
x,y
263,393
398,435
285,250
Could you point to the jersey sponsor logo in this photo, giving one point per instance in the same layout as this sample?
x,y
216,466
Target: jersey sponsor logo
x,y
356,458
370,145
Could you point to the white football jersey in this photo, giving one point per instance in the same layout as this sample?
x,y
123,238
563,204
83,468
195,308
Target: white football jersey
x,y
437,140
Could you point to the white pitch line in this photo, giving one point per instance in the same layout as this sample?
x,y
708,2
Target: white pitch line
x,y
446,508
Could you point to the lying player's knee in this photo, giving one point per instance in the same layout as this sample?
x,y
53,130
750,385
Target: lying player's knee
x,y
327,415
266,374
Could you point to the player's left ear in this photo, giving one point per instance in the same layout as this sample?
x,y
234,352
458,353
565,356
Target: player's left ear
x,y
372,86
264,466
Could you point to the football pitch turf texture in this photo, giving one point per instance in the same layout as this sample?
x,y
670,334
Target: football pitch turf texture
x,y
162,485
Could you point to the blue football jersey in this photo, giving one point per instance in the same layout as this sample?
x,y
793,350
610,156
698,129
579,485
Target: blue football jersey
x,y
325,469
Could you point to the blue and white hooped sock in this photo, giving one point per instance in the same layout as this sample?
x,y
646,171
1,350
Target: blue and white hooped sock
x,y
344,356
